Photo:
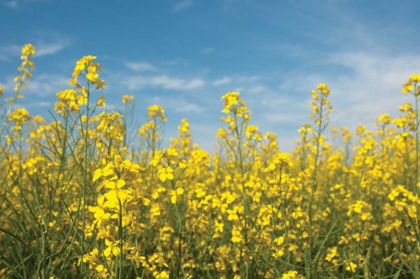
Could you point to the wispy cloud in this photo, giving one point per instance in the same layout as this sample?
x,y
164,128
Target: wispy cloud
x,y
163,81
12,4
248,79
189,108
7,52
274,101
17,4
373,86
140,66
369,85
177,61
47,84
283,118
44,47
208,50
178,105
259,88
40,104
288,50
222,81
182,5
51,48
43,85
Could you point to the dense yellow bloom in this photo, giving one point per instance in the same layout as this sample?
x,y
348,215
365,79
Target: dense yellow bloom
x,y
93,198
19,116
156,111
323,89
91,68
411,84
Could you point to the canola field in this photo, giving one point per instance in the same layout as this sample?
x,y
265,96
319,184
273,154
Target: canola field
x,y
81,198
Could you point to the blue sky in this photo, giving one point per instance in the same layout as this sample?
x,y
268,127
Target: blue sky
x,y
186,54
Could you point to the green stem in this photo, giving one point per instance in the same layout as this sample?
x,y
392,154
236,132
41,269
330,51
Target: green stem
x,y
417,140
85,178
314,179
120,233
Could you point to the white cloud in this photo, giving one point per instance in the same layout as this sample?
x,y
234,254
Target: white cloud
x,y
256,89
7,52
222,81
50,48
288,50
248,79
13,4
163,81
16,4
43,47
183,5
140,66
188,107
283,118
274,102
40,104
370,86
43,85
178,61
302,82
238,89
208,50
47,84
178,105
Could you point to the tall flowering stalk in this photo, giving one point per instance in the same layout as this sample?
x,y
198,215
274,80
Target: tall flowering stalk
x,y
21,81
320,114
412,86
87,68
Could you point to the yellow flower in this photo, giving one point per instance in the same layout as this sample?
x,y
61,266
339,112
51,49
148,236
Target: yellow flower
x,y
171,151
166,173
351,266
112,247
236,235
19,116
102,271
100,102
161,275
28,49
332,252
126,98
155,209
92,76
108,170
176,193
289,275
99,212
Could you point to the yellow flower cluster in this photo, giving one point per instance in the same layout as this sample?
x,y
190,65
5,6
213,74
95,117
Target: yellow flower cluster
x,y
86,67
